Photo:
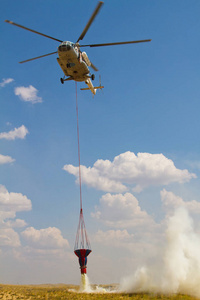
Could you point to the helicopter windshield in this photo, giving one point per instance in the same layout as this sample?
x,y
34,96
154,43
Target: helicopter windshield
x,y
65,46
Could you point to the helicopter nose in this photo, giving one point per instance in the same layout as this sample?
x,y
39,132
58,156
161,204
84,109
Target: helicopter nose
x,y
64,47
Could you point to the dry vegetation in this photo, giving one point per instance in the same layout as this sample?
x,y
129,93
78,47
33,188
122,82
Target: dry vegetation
x,y
61,292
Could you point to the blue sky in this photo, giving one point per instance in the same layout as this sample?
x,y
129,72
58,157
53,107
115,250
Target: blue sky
x,y
150,105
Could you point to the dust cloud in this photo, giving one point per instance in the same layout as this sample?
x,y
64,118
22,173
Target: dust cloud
x,y
177,270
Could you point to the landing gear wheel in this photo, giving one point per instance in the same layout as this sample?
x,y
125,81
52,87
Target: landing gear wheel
x,y
62,80
92,76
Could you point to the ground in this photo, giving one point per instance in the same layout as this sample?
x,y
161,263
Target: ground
x,y
61,292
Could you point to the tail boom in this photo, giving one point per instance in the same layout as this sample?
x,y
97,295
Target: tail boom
x,y
91,87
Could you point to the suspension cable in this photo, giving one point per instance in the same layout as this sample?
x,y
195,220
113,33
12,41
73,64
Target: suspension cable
x,y
82,240
79,158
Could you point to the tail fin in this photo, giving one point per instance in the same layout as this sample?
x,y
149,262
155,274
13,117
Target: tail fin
x,y
95,87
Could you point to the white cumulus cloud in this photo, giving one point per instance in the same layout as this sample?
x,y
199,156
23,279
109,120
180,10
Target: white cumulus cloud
x,y
28,94
128,169
18,223
92,177
116,238
17,133
10,204
45,238
172,202
6,81
8,237
47,242
5,159
121,211
13,202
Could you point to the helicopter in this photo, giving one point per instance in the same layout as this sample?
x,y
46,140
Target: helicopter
x,y
74,63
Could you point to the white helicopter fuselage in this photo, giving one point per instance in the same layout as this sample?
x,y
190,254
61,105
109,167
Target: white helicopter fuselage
x,y
74,64
71,62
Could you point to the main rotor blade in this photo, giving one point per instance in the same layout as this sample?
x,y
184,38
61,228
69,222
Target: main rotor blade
x,y
90,21
113,44
21,62
23,27
93,67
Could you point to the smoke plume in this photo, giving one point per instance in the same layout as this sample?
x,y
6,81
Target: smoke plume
x,y
177,270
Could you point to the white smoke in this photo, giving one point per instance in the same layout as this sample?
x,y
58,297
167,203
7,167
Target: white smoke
x,y
178,268
86,287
